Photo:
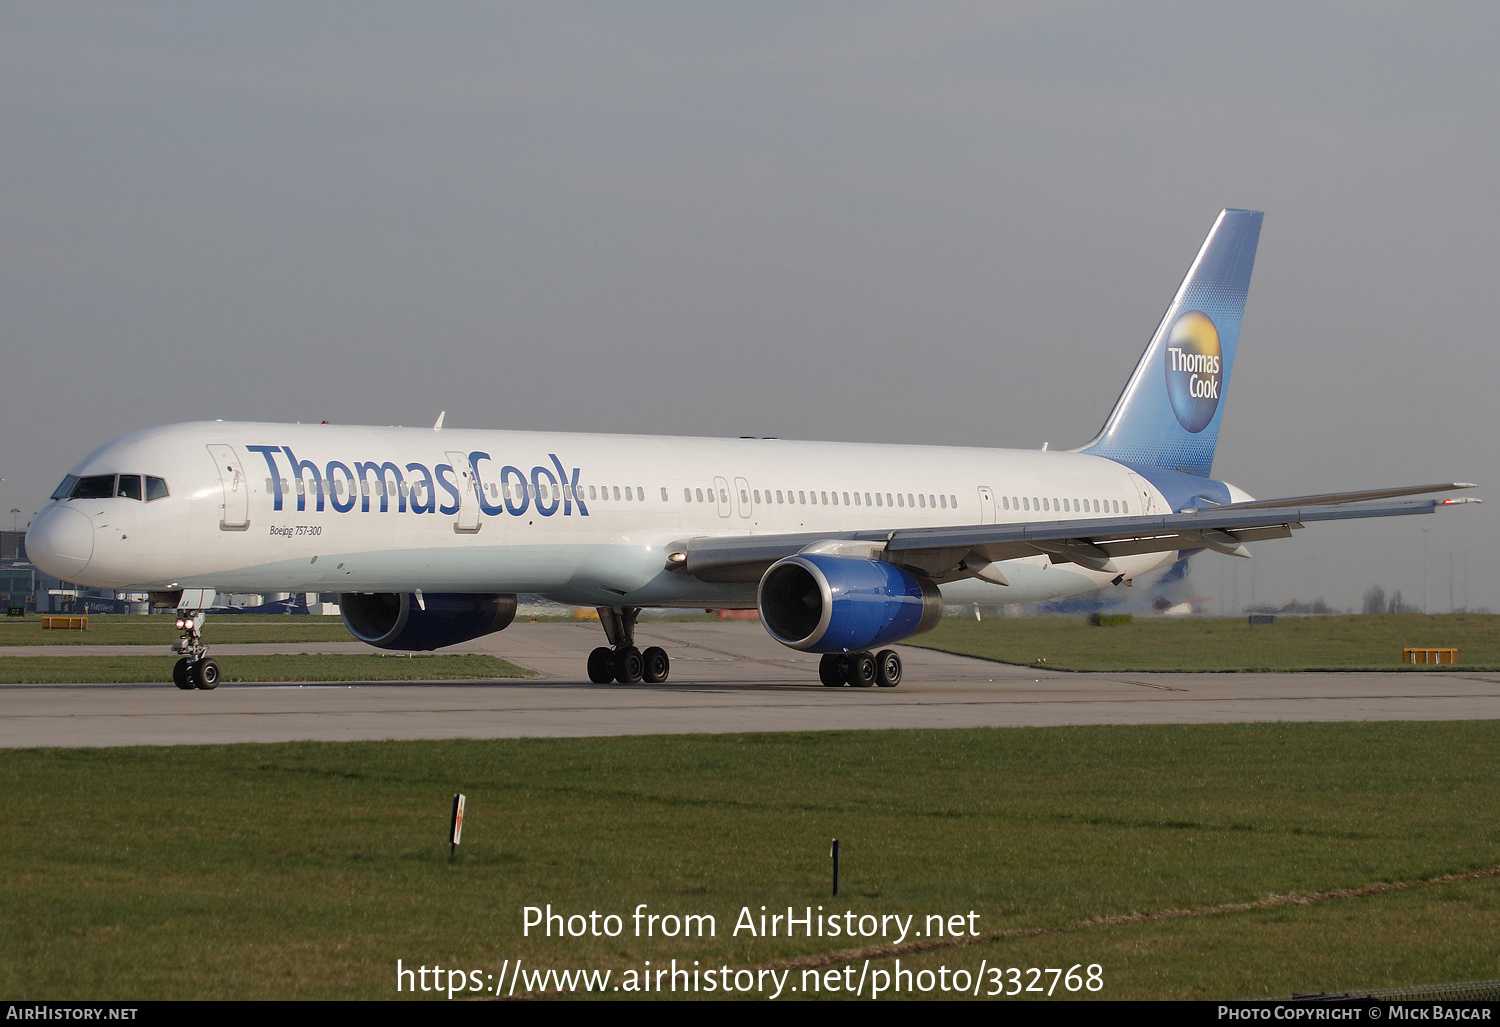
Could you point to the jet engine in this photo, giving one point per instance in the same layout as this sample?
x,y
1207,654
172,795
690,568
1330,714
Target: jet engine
x,y
395,620
840,604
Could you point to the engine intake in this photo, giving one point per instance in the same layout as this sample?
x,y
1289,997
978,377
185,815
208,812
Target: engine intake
x,y
394,620
840,604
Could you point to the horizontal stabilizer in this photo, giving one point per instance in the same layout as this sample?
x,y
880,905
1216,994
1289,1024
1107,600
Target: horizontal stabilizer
x,y
1334,498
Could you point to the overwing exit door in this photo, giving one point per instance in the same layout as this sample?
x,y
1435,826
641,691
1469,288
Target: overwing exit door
x,y
986,505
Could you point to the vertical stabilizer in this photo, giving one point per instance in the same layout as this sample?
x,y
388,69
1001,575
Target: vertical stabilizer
x,y
1168,415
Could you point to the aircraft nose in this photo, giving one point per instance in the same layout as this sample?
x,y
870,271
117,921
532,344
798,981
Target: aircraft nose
x,y
60,541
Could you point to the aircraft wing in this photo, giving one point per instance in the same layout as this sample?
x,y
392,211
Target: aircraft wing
x,y
949,553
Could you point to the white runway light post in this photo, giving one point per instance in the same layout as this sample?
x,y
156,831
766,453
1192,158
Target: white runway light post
x,y
456,827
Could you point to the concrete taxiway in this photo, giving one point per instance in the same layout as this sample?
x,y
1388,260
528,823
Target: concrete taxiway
x,y
726,677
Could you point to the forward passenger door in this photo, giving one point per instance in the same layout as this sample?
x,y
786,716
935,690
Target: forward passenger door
x,y
236,488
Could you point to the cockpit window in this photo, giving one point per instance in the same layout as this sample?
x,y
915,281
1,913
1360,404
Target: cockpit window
x,y
155,488
65,490
129,487
95,486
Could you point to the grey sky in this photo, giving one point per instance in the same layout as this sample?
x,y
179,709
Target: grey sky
x,y
866,221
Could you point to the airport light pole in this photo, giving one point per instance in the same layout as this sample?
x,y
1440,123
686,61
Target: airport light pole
x,y
1424,568
15,513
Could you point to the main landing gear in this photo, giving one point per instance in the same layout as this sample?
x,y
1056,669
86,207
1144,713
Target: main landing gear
x,y
861,669
196,669
621,661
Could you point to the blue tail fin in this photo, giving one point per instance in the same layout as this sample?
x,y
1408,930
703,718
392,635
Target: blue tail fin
x,y
1168,415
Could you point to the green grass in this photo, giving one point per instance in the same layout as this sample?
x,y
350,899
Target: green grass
x,y
350,667
306,870
132,629
223,629
1203,644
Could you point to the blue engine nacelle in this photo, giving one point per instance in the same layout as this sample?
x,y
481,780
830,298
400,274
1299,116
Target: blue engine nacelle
x,y
394,620
842,604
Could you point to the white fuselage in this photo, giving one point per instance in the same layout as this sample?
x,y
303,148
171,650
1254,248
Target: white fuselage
x,y
583,519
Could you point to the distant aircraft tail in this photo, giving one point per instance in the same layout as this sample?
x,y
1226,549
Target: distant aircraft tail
x,y
1168,415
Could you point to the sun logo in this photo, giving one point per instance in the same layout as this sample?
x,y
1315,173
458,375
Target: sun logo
x,y
1195,370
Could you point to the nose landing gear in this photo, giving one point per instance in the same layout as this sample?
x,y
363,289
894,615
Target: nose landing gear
x,y
621,661
196,669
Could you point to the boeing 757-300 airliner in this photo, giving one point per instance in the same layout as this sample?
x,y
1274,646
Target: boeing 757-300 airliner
x,y
428,535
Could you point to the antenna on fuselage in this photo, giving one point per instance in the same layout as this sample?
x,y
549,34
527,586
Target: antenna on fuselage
x,y
438,425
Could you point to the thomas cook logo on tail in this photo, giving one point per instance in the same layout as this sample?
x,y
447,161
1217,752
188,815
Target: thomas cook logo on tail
x,y
1195,370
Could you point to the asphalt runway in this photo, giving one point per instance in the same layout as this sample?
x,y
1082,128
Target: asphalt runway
x,y
726,676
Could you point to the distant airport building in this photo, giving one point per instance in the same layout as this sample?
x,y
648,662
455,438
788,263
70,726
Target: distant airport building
x,y
17,575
